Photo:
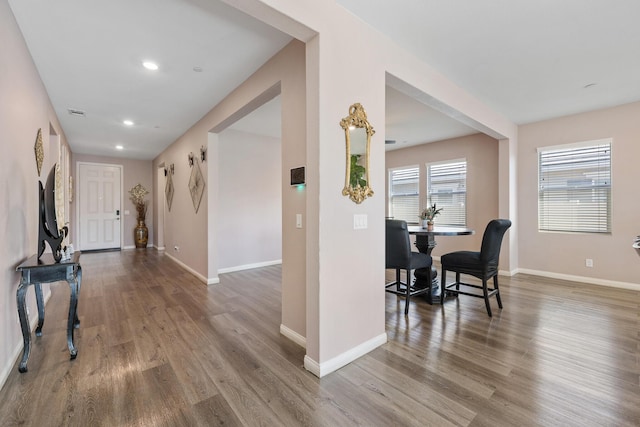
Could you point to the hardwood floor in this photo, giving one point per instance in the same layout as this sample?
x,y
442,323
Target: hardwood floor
x,y
158,348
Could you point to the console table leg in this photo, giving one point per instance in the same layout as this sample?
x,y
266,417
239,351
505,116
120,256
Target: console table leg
x,y
73,306
76,322
40,301
24,325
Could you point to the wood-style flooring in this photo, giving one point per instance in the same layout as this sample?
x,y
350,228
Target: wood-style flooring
x,y
156,347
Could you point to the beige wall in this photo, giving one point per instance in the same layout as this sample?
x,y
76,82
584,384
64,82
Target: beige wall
x,y
565,253
198,234
133,172
344,314
250,225
481,153
24,107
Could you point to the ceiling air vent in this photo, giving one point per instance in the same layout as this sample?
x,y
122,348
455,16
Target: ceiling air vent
x,y
77,113
389,141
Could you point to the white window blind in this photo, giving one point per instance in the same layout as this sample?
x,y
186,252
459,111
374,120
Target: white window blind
x,y
447,188
575,188
403,194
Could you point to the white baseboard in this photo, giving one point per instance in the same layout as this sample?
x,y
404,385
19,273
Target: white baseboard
x,y
582,279
159,248
205,280
325,368
249,266
126,248
293,336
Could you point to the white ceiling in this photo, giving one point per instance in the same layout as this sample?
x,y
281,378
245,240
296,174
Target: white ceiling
x,y
529,60
90,53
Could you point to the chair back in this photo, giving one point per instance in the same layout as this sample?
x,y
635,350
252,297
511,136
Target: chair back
x,y
398,244
492,241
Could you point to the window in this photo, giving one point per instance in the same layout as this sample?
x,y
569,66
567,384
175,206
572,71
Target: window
x,y
403,193
447,188
574,187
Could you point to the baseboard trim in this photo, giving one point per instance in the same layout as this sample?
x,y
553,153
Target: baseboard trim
x,y
205,280
126,248
249,266
293,336
582,279
331,365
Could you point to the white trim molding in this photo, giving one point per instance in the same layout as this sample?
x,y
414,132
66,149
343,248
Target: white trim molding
x,y
325,368
293,336
205,280
249,266
582,279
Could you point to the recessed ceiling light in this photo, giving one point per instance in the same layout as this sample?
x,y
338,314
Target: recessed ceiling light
x,y
119,147
128,122
150,65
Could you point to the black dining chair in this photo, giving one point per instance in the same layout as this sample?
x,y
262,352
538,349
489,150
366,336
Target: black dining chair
x,y
400,257
483,265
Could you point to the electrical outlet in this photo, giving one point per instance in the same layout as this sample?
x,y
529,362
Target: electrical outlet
x,y
588,262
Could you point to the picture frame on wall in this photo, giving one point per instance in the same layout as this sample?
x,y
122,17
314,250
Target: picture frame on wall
x,y
168,191
196,185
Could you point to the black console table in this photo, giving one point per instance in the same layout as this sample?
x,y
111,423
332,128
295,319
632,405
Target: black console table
x,y
36,271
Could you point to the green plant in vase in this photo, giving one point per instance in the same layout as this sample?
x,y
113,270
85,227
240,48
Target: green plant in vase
x,y
428,214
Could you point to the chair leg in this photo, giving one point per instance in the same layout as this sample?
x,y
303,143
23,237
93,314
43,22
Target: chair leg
x,y
443,285
457,281
495,286
398,279
430,288
486,296
406,303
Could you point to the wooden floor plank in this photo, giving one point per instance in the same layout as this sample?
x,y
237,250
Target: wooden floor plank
x,y
158,347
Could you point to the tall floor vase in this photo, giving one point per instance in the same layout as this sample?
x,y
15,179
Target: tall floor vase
x,y
141,234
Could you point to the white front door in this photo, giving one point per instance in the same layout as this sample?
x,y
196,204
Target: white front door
x,y
99,206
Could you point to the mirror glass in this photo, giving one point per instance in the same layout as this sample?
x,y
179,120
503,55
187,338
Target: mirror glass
x,y
358,132
358,152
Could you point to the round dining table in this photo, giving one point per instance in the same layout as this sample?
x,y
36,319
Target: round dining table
x,y
425,242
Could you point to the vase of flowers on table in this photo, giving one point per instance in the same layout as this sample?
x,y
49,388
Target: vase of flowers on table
x,y
428,215
141,232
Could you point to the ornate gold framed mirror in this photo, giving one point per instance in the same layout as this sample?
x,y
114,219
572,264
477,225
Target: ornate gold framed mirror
x,y
357,133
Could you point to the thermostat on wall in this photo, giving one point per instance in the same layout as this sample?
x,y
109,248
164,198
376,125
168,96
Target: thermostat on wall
x,y
297,176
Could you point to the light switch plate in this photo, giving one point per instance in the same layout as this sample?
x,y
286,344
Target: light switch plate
x,y
298,220
359,221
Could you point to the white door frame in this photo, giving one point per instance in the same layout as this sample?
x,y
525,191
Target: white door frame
x,y
160,206
77,199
